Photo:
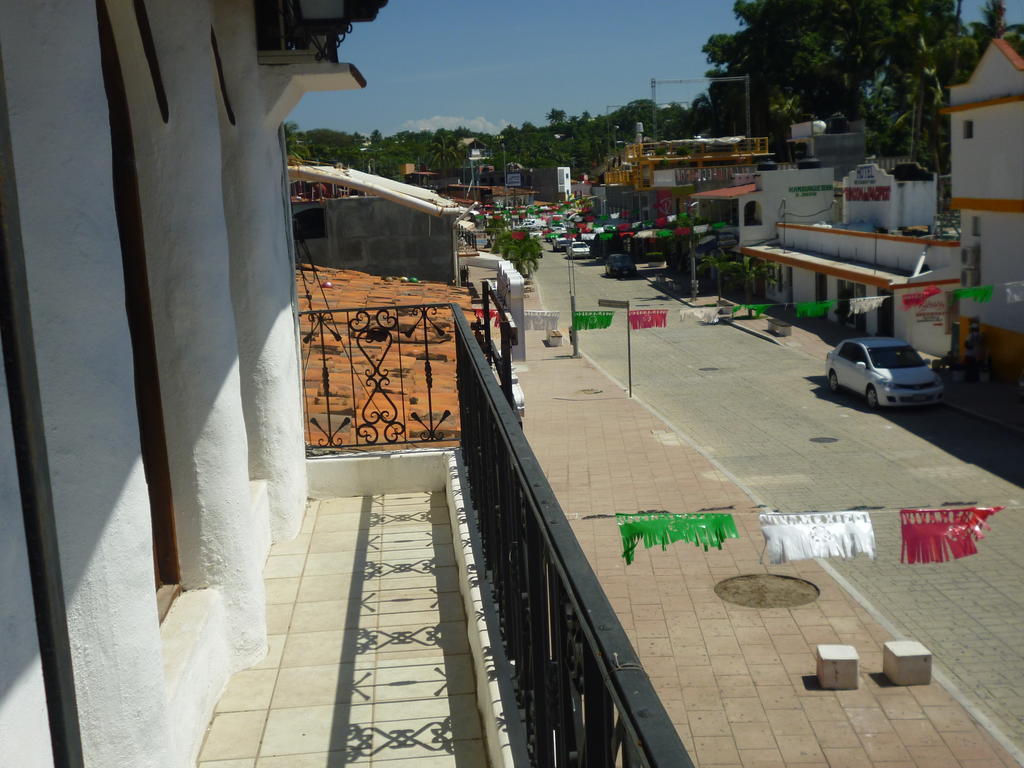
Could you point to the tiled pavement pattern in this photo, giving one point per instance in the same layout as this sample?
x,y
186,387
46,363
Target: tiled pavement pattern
x,y
735,680
350,362
369,663
753,406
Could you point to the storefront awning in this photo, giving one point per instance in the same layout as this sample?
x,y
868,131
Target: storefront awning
x,y
725,193
404,194
857,273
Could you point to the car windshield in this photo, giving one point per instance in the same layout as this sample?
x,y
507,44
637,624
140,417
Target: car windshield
x,y
895,357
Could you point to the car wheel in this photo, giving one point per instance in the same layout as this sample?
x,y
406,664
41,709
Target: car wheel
x,y
872,397
833,381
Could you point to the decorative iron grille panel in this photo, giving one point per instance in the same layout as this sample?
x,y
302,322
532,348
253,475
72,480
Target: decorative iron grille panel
x,y
378,377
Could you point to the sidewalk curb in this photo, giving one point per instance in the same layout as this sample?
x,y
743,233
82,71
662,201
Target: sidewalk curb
x,y
982,417
758,334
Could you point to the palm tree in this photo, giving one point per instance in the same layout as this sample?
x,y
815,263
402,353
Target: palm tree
x,y
525,256
296,148
720,263
555,117
446,151
748,270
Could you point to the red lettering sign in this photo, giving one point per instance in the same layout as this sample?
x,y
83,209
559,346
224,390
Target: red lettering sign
x,y
867,194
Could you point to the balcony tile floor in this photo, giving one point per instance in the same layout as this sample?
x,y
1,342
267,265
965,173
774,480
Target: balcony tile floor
x,y
368,662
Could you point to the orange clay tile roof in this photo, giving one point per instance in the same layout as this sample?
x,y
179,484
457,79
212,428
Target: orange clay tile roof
x,y
1010,53
403,360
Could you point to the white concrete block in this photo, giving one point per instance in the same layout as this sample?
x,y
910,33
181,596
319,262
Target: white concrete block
x,y
907,662
838,667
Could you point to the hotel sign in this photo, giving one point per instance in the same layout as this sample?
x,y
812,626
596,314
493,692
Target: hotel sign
x,y
865,187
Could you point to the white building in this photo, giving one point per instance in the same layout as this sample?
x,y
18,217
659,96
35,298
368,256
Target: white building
x,y
868,256
987,130
151,203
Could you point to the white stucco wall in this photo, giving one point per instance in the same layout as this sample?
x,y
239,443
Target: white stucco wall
x,y
890,252
1002,261
923,326
803,285
262,274
798,196
146,691
63,164
510,288
993,78
24,728
873,196
197,346
991,164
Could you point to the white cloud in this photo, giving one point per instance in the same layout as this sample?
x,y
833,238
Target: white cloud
x,y
477,124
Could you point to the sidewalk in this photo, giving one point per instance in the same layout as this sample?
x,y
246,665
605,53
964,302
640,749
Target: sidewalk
x,y
738,682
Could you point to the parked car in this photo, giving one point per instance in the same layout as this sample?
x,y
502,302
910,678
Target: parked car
x,y
560,244
578,250
619,265
886,371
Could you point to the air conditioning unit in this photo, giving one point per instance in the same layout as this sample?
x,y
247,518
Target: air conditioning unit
x,y
970,277
970,257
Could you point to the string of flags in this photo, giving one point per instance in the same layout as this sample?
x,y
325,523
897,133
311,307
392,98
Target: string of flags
x,y
855,306
928,535
936,535
790,537
588,321
648,318
540,320
664,528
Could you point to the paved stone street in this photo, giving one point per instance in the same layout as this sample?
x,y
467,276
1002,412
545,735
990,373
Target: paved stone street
x,y
753,408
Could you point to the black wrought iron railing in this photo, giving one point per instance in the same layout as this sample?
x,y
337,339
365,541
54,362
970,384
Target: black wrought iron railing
x,y
585,698
379,377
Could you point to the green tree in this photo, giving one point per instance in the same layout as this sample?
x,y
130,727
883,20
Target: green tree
x,y
446,151
555,117
295,144
747,271
720,264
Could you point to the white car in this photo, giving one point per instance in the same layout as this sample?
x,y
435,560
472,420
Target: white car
x,y
578,250
886,371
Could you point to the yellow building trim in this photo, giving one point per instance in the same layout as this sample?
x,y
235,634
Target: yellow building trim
x,y
980,104
994,204
1004,348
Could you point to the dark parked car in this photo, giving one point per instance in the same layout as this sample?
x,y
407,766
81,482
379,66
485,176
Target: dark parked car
x,y
619,265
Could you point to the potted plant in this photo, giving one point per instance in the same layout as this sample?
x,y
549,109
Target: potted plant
x,y
656,259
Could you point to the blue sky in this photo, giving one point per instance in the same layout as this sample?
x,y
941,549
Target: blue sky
x,y
442,63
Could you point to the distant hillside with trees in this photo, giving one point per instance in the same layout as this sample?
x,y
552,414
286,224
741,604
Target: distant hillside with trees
x,y
886,61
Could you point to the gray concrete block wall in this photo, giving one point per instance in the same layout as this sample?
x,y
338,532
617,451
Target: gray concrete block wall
x,y
382,238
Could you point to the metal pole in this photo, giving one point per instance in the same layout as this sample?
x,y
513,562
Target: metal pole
x,y
574,335
746,82
654,108
693,264
30,454
629,350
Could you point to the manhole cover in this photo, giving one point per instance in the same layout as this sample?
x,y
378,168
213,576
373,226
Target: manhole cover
x,y
767,590
591,391
824,439
708,369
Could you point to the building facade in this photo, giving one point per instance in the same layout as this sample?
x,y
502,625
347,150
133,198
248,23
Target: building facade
x,y
152,207
987,130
